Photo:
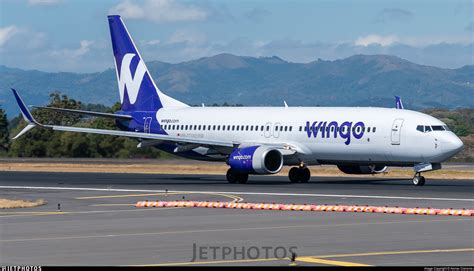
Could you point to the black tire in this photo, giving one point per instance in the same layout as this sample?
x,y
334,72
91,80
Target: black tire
x,y
293,175
419,180
305,175
242,178
231,176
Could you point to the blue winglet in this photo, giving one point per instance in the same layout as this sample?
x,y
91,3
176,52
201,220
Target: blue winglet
x,y
24,110
398,102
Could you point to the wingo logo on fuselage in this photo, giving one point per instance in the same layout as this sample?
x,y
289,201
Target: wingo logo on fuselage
x,y
332,129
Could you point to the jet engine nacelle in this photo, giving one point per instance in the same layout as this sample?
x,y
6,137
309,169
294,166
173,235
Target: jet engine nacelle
x,y
358,169
256,159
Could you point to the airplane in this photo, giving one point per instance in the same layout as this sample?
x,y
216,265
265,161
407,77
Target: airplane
x,y
261,140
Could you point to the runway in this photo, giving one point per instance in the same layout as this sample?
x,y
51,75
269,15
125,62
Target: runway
x,y
98,224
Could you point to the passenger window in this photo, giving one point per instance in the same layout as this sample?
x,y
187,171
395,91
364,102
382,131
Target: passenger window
x,y
246,128
373,130
241,127
291,128
268,128
368,129
286,128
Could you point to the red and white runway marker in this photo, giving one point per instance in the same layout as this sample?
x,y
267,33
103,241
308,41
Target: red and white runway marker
x,y
307,207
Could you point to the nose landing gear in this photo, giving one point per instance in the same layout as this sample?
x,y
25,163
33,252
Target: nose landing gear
x,y
418,180
299,174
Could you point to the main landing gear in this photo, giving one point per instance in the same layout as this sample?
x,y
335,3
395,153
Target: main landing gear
x,y
418,180
236,177
299,174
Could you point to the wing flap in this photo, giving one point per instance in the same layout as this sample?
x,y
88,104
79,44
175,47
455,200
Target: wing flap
x,y
168,138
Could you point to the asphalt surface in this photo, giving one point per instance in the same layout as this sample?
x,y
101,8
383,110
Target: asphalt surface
x,y
98,223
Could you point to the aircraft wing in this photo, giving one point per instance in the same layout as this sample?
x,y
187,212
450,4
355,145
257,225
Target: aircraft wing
x,y
178,139
89,113
284,147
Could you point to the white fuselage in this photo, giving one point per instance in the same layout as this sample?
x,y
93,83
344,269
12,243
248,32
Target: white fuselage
x,y
395,141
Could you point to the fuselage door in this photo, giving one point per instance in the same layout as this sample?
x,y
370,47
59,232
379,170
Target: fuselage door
x,y
146,125
396,131
276,130
267,132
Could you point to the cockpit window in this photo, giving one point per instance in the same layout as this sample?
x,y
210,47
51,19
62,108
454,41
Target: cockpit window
x,y
428,128
437,128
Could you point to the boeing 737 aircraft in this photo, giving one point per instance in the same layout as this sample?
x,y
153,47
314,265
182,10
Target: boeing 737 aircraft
x,y
261,140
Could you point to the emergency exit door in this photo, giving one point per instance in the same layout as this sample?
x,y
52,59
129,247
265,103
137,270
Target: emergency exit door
x,y
396,131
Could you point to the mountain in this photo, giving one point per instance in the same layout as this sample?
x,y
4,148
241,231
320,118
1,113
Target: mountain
x,y
360,80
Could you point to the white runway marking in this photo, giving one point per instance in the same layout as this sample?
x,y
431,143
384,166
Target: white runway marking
x,y
232,192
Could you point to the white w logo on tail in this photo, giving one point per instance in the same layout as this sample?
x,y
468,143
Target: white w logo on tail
x,y
126,79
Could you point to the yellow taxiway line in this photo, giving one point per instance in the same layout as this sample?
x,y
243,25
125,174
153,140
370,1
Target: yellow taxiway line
x,y
319,259
234,197
329,262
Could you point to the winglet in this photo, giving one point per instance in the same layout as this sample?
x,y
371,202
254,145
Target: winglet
x,y
25,130
398,102
24,110
26,115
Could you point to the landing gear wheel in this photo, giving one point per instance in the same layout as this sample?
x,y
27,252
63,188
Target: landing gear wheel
x,y
231,176
236,177
419,180
299,174
304,175
242,178
293,175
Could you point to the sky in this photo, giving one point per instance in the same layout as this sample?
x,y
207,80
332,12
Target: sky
x,y
73,35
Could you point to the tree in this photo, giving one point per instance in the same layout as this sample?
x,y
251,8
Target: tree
x,y
45,142
4,141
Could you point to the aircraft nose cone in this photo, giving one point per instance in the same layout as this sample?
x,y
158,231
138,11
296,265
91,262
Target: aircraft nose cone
x,y
455,144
